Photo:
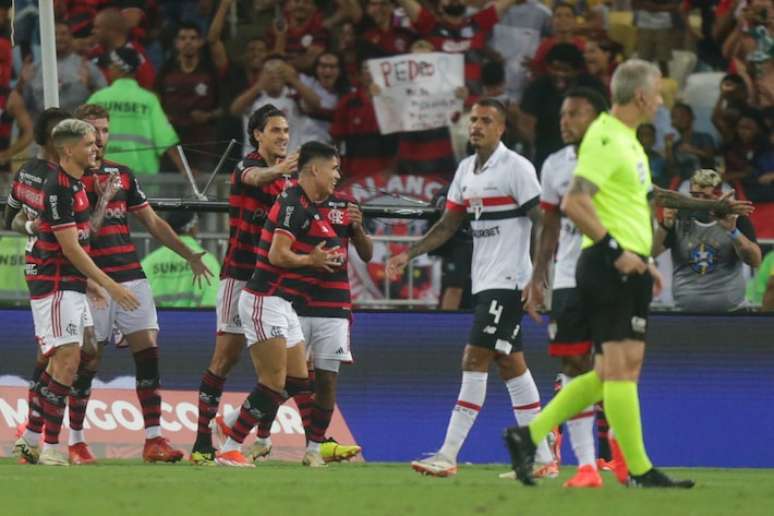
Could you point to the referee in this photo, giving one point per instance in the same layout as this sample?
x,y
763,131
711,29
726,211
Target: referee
x,y
608,202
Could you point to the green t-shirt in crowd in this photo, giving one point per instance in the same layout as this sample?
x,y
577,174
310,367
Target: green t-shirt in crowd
x,y
13,287
611,157
757,286
137,121
171,279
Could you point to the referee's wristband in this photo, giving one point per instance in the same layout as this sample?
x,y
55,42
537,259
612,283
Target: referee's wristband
x,y
735,234
611,246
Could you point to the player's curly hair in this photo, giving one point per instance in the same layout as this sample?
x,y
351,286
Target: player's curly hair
x,y
258,121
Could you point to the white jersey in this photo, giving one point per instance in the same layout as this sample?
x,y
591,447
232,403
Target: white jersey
x,y
556,176
497,199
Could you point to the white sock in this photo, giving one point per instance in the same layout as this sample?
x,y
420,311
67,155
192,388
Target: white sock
x,y
231,445
75,437
313,447
152,432
469,402
263,441
525,400
231,417
47,446
581,431
32,438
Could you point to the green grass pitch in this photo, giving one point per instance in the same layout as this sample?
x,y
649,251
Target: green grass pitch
x,y
116,488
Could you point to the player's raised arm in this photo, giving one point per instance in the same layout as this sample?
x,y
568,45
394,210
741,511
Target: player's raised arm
x,y
438,235
259,176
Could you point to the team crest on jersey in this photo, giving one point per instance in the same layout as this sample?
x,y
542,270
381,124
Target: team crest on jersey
x,y
336,216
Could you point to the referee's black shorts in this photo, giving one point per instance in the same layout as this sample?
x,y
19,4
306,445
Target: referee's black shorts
x,y
615,304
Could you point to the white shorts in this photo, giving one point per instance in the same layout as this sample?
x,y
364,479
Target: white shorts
x,y
60,319
267,317
113,317
326,338
227,306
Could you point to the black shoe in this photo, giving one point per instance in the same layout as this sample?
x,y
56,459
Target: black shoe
x,y
522,451
656,478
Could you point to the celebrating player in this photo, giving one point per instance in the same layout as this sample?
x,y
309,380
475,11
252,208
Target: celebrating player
x,y
296,244
256,182
499,191
115,254
56,272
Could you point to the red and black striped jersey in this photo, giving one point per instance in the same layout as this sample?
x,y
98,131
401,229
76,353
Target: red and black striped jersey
x,y
27,188
112,248
298,217
330,297
65,205
248,207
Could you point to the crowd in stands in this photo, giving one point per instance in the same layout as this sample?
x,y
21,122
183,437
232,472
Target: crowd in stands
x,y
210,63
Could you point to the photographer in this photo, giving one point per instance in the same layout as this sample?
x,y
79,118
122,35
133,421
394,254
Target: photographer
x,y
708,253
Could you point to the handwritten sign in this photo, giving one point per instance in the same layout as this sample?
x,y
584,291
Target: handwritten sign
x,y
417,91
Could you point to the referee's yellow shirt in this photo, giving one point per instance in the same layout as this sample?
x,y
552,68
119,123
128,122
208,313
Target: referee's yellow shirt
x,y
611,157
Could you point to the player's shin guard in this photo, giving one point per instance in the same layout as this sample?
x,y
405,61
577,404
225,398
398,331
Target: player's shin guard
x,y
149,389
583,391
53,399
210,391
300,389
263,402
40,378
80,392
469,403
623,411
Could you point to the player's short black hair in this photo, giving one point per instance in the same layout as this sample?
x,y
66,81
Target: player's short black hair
x,y
495,104
592,96
46,122
258,120
565,5
313,150
492,73
568,54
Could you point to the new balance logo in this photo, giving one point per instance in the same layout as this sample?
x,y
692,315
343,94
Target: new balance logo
x,y
490,330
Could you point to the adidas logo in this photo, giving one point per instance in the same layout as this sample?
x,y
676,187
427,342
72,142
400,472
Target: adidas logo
x,y
340,351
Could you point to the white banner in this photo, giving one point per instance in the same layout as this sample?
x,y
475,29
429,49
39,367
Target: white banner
x,y
417,91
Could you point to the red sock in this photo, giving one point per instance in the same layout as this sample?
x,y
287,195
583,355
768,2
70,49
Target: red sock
x,y
210,391
148,385
261,403
53,400
35,418
321,419
80,393
300,389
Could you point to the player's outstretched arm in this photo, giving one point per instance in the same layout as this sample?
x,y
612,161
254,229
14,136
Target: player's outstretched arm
x,y
726,205
162,231
441,232
68,240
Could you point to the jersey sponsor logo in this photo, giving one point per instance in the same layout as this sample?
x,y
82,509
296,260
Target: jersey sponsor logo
x,y
84,234
485,233
116,213
288,213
